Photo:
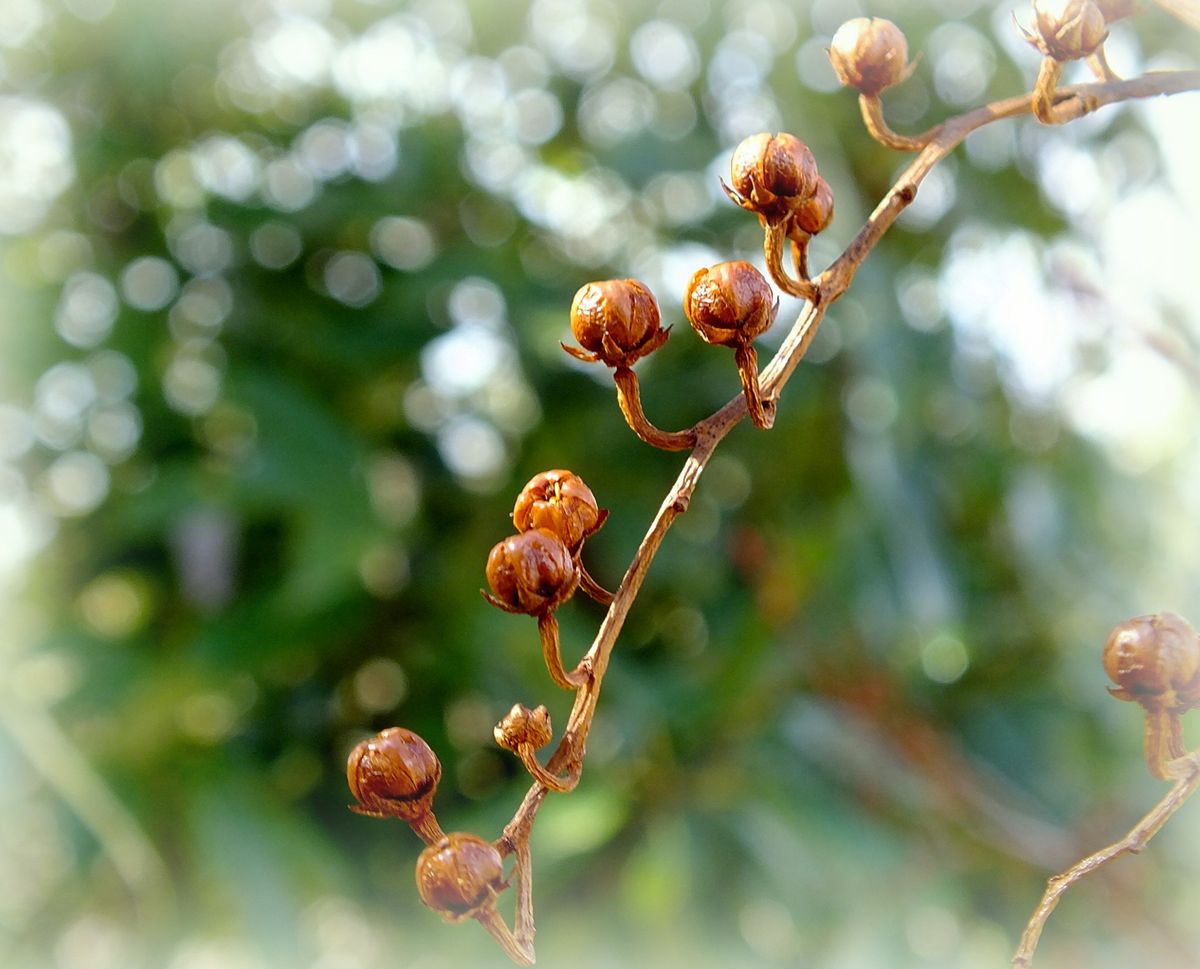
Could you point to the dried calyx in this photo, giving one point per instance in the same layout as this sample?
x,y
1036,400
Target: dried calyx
x,y
460,876
560,502
1067,30
869,54
1155,660
531,573
616,321
522,727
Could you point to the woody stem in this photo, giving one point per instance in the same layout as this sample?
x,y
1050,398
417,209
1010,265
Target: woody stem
x,y
773,240
877,126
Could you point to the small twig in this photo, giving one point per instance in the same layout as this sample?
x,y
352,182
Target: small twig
x,y
774,237
1098,64
520,953
560,785
1187,770
629,398
592,588
872,115
1044,89
552,654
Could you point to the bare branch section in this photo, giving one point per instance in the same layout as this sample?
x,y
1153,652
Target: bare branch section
x,y
617,322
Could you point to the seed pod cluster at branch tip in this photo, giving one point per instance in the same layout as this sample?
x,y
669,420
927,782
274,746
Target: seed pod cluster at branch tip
x,y
459,876
616,321
559,502
869,54
531,573
394,774
522,726
1066,30
729,304
1155,660
772,174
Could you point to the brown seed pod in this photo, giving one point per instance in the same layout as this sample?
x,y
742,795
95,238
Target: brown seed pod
x,y
869,54
531,573
729,304
1155,660
814,214
1066,30
560,502
771,175
393,775
616,321
459,876
524,727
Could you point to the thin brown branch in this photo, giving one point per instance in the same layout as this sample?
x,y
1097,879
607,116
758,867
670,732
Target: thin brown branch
x,y
774,236
1187,769
705,436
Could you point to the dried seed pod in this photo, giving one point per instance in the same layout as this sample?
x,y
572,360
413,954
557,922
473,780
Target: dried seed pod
x,y
869,54
531,573
524,727
459,876
814,214
1066,30
394,774
616,321
560,502
729,304
772,174
1155,660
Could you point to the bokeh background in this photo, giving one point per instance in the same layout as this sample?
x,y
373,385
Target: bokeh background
x,y
283,285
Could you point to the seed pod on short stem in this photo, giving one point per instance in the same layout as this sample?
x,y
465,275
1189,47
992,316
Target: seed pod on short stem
x,y
531,573
1155,660
869,54
770,175
616,321
459,877
395,775
524,731
730,304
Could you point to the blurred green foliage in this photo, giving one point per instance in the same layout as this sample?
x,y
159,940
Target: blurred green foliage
x,y
281,347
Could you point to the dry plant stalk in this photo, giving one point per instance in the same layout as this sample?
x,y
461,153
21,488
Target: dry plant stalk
x,y
616,322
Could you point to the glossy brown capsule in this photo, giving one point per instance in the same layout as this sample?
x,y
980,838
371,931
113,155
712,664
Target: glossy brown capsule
x,y
560,502
729,304
770,174
1155,660
616,321
814,214
459,876
531,573
394,774
869,54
